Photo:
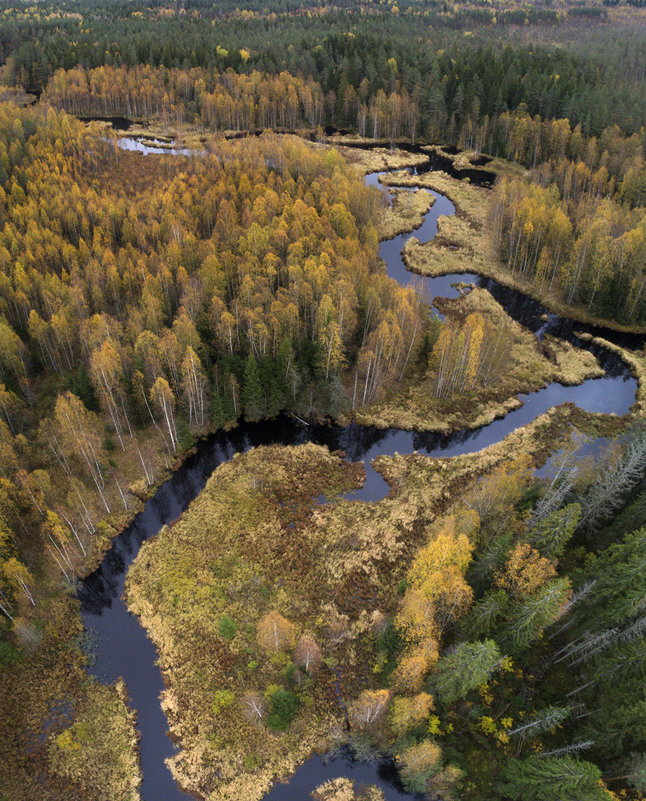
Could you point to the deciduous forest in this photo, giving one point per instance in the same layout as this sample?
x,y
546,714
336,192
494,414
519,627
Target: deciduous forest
x,y
332,259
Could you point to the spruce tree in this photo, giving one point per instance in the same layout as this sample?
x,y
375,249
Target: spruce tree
x,y
252,395
553,779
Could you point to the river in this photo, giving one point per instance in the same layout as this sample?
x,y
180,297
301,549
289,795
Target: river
x,y
122,648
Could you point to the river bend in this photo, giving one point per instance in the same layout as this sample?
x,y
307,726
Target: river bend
x,y
122,648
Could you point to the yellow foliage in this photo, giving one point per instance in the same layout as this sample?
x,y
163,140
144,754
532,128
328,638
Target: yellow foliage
x,y
444,552
487,725
409,674
409,713
437,575
416,617
275,633
419,759
368,709
525,572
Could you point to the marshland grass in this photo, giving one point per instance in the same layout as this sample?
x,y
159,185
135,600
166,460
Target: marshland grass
x,y
405,213
257,540
251,543
528,366
346,790
64,735
463,244
377,159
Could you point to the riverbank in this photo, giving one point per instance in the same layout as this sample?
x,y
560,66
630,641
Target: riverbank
x,y
81,735
463,244
636,362
384,526
404,213
529,365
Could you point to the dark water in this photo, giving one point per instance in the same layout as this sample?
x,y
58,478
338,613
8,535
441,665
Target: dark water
x,y
122,648
120,123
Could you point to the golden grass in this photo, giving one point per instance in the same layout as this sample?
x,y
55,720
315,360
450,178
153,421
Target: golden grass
x,y
377,159
252,542
528,367
346,790
43,695
98,751
404,214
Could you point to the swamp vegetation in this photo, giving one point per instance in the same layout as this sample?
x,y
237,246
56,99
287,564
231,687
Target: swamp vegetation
x,y
475,618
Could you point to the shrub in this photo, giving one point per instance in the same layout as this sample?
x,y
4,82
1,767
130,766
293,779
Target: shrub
x,y
227,628
222,700
283,705
8,653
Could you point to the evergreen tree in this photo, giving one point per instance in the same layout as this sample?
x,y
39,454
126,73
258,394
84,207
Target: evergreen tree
x,y
551,534
553,779
465,668
252,394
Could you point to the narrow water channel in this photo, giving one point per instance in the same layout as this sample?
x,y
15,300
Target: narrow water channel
x,y
121,646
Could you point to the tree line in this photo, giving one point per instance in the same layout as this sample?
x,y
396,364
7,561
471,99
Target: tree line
x,y
455,79
571,235
228,101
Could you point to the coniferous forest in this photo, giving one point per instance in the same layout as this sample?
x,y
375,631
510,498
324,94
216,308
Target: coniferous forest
x,y
323,400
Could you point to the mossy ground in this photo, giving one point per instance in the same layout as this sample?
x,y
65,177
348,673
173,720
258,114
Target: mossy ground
x,y
528,366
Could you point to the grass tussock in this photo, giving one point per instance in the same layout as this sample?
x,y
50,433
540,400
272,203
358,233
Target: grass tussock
x,y
529,365
345,790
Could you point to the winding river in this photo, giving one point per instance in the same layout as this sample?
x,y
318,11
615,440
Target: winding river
x,y
122,648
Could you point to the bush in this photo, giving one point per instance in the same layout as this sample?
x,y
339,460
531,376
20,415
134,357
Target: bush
x,y
222,699
8,653
283,705
227,628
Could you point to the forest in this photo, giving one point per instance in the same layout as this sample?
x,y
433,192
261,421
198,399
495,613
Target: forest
x,y
479,625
